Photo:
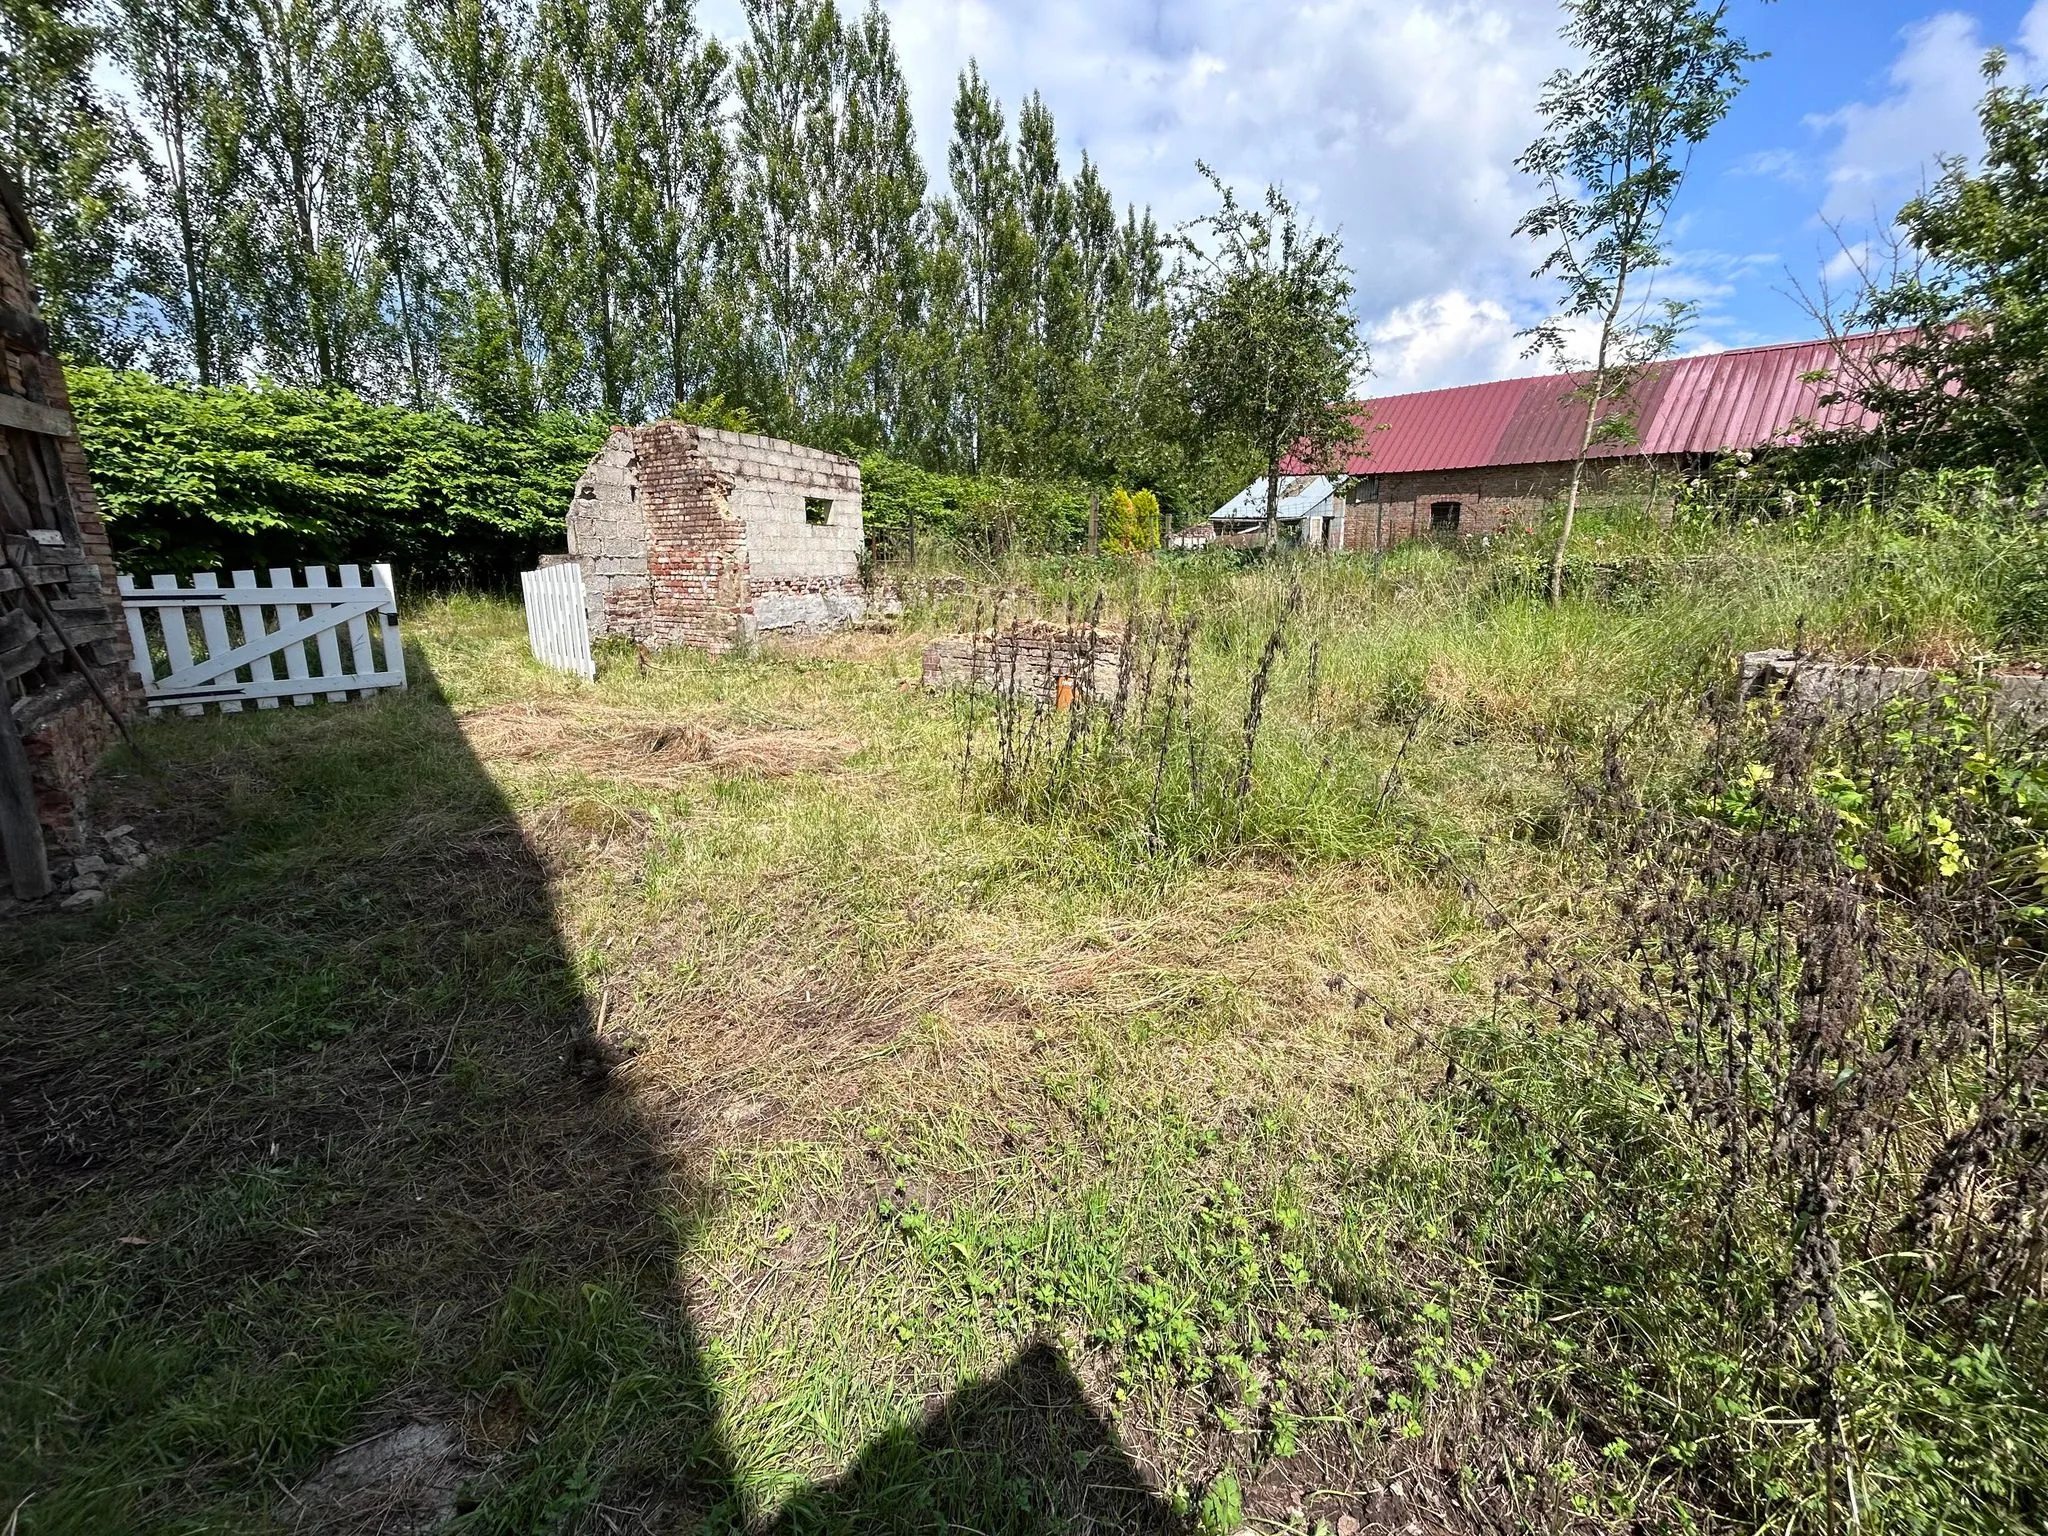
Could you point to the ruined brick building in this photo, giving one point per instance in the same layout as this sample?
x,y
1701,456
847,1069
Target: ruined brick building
x,y
65,668
691,536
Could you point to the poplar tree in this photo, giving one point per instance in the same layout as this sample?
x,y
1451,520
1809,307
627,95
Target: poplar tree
x,y
71,150
677,168
299,74
1618,135
474,66
591,62
169,49
884,225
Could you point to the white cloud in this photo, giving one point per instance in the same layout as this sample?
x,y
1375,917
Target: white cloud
x,y
1447,338
1395,122
1885,149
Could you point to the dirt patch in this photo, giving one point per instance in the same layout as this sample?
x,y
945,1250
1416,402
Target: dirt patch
x,y
652,751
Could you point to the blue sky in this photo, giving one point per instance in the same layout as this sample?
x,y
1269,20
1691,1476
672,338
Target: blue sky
x,y
1397,123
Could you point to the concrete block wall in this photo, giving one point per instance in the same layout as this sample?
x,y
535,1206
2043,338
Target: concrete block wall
x,y
692,536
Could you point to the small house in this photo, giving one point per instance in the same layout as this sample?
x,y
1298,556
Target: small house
x,y
1310,513
691,536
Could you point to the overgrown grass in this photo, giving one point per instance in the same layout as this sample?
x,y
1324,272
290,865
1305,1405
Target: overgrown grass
x,y
716,1138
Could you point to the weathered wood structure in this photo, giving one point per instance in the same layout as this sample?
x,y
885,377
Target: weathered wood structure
x,y
65,674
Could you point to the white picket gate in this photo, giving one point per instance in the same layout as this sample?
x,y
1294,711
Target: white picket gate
x,y
557,626
214,644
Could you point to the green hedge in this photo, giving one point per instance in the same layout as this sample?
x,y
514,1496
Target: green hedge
x,y
205,479
195,479
985,510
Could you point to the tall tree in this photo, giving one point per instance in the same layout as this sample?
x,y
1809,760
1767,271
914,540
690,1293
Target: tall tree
x,y
883,226
1268,342
1618,135
677,161
592,64
996,258
474,60
1969,383
786,143
72,151
300,73
400,211
170,50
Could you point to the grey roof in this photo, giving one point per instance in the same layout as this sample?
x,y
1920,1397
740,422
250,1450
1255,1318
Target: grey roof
x,y
1300,496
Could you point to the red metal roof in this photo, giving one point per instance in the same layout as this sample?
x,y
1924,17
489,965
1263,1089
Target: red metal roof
x,y
1745,398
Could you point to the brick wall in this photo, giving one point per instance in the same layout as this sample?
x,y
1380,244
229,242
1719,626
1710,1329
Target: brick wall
x,y
1385,509
64,729
692,536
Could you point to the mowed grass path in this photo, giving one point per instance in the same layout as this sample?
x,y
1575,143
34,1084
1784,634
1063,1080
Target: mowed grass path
x,y
673,1088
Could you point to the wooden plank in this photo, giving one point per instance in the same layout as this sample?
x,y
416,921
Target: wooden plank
x,y
177,637
358,627
272,688
387,623
28,416
213,625
325,645
287,615
263,668
138,639
21,835
25,656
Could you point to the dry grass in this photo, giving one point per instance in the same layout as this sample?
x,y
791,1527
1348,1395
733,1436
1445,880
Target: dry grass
x,y
644,749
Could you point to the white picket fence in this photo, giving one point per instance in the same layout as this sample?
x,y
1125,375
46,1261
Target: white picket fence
x,y
557,626
293,637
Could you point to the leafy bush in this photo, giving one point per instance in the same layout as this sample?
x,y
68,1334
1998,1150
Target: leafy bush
x,y
902,504
205,479
1786,1126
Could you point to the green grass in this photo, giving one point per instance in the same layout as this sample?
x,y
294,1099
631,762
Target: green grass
x,y
933,1166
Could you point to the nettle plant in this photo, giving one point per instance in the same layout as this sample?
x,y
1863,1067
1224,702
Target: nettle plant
x,y
1817,1131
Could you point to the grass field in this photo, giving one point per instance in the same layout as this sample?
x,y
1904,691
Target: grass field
x,y
702,1109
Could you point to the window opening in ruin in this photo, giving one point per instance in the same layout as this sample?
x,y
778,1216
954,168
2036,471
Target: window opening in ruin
x,y
1443,516
817,510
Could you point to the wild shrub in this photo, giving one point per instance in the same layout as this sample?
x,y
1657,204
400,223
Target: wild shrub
x,y
1780,1144
1191,753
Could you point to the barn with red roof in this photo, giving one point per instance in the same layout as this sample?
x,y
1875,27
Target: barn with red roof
x,y
1487,457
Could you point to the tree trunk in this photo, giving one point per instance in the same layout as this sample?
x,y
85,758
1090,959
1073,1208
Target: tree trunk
x,y
1272,505
1571,505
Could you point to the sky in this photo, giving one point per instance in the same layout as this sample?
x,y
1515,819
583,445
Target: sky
x,y
1397,124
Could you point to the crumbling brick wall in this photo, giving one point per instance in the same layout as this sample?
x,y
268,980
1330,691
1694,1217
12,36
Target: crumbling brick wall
x,y
692,536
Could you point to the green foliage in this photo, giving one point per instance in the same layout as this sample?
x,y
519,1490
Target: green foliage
x,y
1268,342
1970,384
73,152
905,507
199,479
1130,522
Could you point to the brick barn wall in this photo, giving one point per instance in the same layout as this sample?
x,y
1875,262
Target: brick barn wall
x,y
1491,500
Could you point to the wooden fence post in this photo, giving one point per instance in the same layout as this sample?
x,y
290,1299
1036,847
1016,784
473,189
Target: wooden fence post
x,y
28,865
1094,523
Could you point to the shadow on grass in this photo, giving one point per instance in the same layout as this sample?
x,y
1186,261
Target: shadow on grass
x,y
322,1207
